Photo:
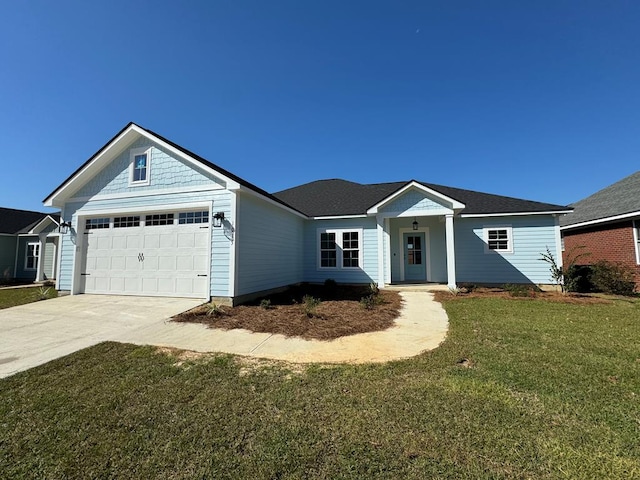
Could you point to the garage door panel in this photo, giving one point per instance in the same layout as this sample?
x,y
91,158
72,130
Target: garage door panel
x,y
185,240
133,241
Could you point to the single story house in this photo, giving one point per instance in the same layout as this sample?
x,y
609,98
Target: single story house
x,y
606,226
148,217
28,245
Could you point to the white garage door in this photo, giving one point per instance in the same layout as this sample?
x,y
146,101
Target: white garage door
x,y
157,254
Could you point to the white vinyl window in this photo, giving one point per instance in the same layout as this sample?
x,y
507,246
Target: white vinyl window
x,y
139,167
498,239
636,237
340,248
31,256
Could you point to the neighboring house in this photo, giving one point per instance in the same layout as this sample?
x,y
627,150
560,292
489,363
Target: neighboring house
x,y
149,217
28,245
606,226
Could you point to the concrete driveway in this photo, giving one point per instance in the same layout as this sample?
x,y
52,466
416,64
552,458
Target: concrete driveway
x,y
36,333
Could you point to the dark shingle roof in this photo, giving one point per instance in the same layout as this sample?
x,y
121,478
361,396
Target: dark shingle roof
x,y
19,221
340,197
618,199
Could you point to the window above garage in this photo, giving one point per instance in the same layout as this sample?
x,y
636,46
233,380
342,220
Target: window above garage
x,y
139,167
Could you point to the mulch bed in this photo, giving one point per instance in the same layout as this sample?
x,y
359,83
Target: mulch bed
x,y
339,314
573,298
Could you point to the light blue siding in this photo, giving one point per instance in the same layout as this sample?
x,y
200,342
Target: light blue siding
x,y
531,237
270,246
412,201
165,172
369,251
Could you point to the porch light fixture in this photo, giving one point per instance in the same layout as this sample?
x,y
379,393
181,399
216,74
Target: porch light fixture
x,y
64,227
217,219
415,224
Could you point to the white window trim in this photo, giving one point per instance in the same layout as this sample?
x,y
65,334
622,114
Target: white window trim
x,y
636,239
132,156
338,232
36,257
485,237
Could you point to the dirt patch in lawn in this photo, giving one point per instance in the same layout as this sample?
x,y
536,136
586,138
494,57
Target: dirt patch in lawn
x,y
523,294
340,313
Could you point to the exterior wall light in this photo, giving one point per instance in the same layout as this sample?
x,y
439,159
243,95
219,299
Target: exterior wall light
x,y
64,227
415,224
217,219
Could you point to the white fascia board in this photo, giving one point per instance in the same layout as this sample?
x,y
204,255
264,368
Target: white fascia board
x,y
271,201
424,213
339,217
84,212
512,214
41,224
456,205
114,148
601,220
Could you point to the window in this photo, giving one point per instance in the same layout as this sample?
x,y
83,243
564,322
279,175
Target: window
x,y
94,223
498,239
140,159
340,248
193,217
636,235
159,219
31,256
328,250
121,222
350,249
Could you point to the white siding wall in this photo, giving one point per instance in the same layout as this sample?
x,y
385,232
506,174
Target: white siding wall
x,y
531,237
369,250
270,246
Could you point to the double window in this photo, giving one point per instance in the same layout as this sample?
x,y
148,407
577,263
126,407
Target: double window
x,y
340,248
498,239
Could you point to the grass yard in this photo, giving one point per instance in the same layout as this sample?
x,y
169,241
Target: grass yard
x,y
546,390
12,297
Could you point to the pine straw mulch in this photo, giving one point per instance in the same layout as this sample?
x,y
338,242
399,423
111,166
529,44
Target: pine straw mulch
x,y
338,315
530,294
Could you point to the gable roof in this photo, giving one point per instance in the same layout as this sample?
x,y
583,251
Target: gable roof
x,y
619,200
132,127
338,197
14,221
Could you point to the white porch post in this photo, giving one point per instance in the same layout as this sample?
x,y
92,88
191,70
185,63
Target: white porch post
x,y
387,239
39,272
380,231
451,252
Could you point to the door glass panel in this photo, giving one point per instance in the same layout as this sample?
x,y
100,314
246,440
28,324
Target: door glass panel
x,y
414,250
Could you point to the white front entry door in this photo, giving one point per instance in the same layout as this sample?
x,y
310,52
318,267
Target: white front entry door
x,y
161,260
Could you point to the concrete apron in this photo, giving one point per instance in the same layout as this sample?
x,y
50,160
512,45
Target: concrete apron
x,y
422,326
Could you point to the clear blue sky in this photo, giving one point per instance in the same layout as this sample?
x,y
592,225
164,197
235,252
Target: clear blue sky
x,y
536,100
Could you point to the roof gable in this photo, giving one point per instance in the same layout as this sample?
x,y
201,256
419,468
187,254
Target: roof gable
x,y
617,200
14,221
415,196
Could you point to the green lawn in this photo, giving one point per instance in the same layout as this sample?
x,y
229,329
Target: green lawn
x,y
12,297
552,391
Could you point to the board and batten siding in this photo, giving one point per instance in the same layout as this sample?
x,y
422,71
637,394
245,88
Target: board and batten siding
x,y
221,237
532,235
369,251
270,246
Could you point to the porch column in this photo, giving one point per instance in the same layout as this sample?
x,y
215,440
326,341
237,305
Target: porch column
x,y
39,266
451,252
380,231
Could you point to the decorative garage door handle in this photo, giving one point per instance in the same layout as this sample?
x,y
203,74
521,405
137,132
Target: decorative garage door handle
x,y
141,257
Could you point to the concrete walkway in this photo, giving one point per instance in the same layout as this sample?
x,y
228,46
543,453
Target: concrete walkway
x,y
39,332
422,325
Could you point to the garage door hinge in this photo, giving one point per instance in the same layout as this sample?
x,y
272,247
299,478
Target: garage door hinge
x,y
85,274
202,275
204,227
88,233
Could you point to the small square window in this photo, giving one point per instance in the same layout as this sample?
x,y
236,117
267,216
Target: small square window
x,y
498,239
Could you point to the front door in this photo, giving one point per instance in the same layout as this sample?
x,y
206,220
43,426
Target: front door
x,y
414,257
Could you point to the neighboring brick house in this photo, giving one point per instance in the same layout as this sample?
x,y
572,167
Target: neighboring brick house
x,y
606,226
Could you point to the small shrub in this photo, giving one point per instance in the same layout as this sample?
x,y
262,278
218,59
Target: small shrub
x,y
368,302
265,303
42,293
373,289
310,304
518,290
468,287
215,310
613,278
